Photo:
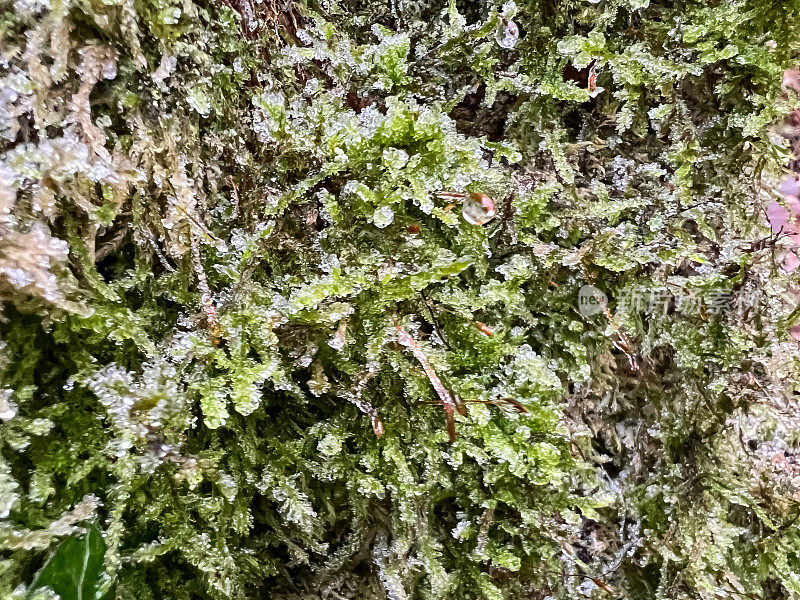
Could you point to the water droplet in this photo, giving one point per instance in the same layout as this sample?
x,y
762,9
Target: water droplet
x,y
8,410
228,487
477,209
383,217
330,445
507,36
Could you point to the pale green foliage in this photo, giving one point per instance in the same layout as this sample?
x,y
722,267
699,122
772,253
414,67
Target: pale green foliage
x,y
215,217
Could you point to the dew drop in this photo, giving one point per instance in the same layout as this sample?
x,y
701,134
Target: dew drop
x,y
383,217
8,410
477,209
507,36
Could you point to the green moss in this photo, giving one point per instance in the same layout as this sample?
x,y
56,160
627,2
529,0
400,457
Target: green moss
x,y
212,234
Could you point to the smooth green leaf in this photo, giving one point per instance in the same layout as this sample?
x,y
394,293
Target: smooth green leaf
x,y
74,570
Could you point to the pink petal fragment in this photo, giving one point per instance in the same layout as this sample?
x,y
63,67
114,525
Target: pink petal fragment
x,y
791,79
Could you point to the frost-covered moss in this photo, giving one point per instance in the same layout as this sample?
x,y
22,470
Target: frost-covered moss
x,y
220,224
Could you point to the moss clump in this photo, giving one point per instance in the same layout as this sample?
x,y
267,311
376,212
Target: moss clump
x,y
221,224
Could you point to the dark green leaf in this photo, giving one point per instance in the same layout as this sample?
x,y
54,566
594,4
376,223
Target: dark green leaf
x,y
74,569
